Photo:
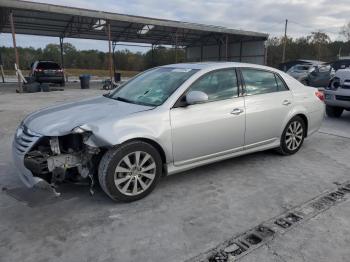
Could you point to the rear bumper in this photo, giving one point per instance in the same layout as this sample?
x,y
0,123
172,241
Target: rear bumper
x,y
50,79
331,99
315,120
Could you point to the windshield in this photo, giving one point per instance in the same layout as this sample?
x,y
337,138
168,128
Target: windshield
x,y
153,87
48,65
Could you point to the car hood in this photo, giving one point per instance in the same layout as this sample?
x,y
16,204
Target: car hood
x,y
61,119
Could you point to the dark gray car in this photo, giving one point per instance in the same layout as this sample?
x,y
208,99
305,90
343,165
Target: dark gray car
x,y
319,76
47,72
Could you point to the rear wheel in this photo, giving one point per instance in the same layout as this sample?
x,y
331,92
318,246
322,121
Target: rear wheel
x,y
293,136
130,171
334,111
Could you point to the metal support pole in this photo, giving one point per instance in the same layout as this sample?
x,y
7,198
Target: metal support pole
x,y
201,52
152,55
2,73
2,69
240,51
113,49
110,52
20,89
284,42
226,47
176,47
61,49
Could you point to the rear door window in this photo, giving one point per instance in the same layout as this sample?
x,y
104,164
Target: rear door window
x,y
218,85
48,65
281,85
259,81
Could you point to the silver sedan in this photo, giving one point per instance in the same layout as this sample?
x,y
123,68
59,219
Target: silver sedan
x,y
164,121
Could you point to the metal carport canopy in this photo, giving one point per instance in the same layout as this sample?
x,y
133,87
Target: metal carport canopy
x,y
61,21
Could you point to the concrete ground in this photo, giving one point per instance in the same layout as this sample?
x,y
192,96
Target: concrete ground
x,y
187,214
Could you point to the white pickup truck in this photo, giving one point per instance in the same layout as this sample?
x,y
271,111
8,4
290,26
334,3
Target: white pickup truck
x,y
337,94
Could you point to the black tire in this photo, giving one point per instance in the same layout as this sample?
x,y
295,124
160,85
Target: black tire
x,y
45,87
334,112
63,83
32,88
284,149
112,158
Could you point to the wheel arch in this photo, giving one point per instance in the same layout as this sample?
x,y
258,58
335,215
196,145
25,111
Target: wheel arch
x,y
153,143
306,122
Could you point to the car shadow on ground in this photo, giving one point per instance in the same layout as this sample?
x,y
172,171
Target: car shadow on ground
x,y
38,197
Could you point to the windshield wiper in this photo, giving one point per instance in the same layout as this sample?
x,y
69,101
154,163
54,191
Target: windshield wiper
x,y
123,100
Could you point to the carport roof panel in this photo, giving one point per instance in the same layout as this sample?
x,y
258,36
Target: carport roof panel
x,y
61,21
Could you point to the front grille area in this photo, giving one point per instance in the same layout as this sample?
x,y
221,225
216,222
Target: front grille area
x,y
25,139
343,98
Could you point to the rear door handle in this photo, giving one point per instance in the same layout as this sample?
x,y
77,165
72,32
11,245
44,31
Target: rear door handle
x,y
286,103
237,111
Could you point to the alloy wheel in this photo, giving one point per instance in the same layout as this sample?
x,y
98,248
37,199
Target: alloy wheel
x,y
294,135
135,173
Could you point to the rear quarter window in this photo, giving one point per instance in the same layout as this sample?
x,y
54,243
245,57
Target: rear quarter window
x,y
280,83
48,65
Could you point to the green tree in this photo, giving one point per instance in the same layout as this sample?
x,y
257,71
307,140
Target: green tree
x,y
345,31
52,52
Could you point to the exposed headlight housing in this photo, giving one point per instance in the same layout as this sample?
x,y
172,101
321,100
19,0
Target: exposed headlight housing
x,y
79,130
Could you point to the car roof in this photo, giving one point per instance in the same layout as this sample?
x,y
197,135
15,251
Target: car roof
x,y
46,61
218,65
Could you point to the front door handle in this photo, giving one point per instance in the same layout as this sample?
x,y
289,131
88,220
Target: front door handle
x,y
237,111
286,103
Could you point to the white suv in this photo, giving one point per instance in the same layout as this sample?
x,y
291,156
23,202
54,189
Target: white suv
x,y
337,94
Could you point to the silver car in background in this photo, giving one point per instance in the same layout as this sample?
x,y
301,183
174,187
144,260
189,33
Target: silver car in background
x,y
164,121
299,71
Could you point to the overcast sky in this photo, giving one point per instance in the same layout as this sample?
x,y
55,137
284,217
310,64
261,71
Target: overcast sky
x,y
266,16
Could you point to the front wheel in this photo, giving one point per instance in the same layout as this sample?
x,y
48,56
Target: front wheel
x,y
332,111
292,136
130,171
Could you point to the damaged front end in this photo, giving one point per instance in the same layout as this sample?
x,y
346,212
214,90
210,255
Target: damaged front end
x,y
64,158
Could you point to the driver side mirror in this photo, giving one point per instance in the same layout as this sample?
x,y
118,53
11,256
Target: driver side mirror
x,y
196,97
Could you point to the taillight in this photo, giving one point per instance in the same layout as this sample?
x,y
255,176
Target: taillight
x,y
38,70
320,95
60,70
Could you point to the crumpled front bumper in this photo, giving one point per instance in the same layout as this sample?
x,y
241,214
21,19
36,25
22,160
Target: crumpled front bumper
x,y
23,141
25,175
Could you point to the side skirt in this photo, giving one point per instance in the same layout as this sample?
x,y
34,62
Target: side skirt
x,y
172,169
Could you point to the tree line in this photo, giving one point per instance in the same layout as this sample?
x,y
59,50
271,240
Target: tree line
x,y
316,46
91,59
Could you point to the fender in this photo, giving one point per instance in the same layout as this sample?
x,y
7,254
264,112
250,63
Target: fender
x,y
139,126
296,110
